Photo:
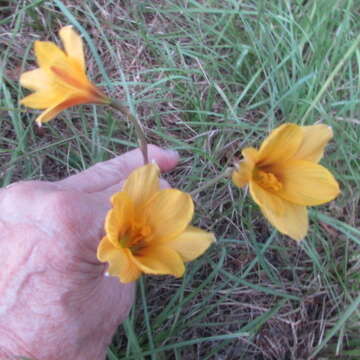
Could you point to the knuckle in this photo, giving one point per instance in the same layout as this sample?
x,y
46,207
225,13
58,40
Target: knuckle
x,y
23,186
61,200
19,190
21,198
164,184
60,208
153,148
108,169
68,210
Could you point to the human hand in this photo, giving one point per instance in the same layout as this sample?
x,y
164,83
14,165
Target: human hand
x,y
55,302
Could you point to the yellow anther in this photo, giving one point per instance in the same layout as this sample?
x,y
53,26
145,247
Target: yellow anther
x,y
135,237
267,180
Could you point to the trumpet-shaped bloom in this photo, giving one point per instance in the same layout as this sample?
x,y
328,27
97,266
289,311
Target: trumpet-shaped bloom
x,y
284,176
148,229
60,81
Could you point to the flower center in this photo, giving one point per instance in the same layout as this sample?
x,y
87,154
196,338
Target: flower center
x,y
135,237
267,180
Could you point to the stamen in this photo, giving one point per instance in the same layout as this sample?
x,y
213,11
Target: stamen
x,y
135,237
267,180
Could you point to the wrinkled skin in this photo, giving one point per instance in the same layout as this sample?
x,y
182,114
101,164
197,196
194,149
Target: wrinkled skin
x,y
55,301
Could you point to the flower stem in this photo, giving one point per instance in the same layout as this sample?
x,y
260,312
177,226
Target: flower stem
x,y
116,104
213,181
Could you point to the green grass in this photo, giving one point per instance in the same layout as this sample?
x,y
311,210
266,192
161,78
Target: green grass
x,y
208,78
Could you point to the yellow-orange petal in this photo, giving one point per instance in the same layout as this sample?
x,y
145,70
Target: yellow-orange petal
x,y
142,184
105,249
192,243
120,263
314,141
119,218
250,154
168,213
37,80
53,111
280,145
160,260
292,220
39,100
129,271
242,174
70,74
48,92
47,54
73,45
306,183
265,199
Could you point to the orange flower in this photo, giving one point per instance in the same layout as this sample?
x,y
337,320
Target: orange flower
x,y
148,231
60,81
285,177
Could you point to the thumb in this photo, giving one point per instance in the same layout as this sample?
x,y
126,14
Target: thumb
x,y
106,194
108,173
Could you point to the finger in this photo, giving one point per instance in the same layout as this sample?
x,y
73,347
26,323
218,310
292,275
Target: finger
x,y
105,174
106,194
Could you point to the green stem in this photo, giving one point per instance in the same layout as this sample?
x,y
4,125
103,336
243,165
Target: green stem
x,y
116,104
213,181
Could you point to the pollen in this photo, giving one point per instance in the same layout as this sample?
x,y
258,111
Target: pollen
x,y
267,180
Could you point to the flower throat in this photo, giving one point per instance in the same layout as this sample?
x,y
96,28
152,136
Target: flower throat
x,y
267,180
134,237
